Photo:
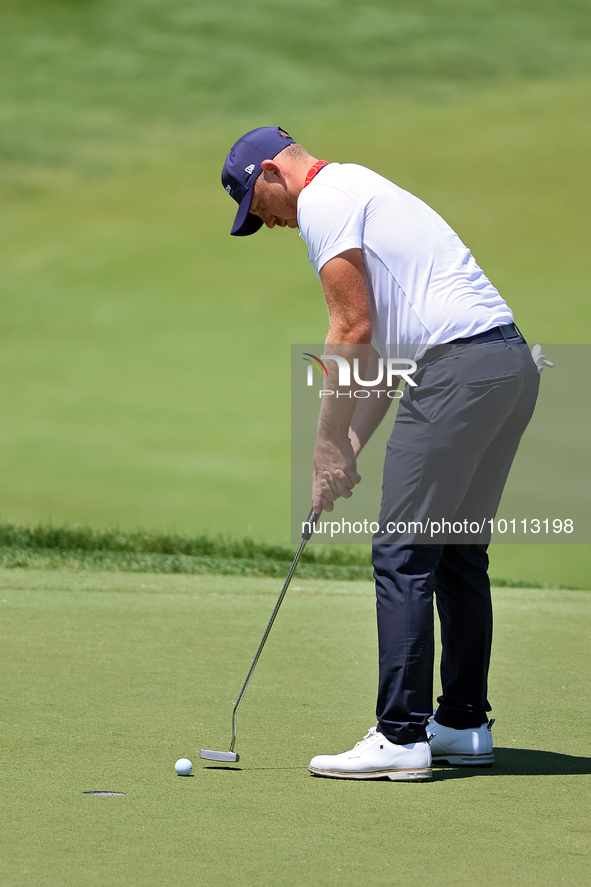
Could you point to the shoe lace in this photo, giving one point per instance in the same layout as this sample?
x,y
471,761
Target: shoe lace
x,y
369,735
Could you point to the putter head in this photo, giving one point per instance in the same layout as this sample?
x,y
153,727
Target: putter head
x,y
228,756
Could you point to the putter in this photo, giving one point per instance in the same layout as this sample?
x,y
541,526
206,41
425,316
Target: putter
x,y
231,756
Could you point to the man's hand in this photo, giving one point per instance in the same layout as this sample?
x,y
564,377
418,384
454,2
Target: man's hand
x,y
334,474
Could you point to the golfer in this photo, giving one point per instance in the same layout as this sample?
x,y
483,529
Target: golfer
x,y
399,283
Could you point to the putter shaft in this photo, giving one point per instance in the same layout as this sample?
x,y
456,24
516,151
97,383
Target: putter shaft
x,y
231,755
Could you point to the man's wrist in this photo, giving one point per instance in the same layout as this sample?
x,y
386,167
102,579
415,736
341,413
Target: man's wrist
x,y
333,440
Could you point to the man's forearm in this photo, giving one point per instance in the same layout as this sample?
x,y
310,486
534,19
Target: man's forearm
x,y
345,289
338,408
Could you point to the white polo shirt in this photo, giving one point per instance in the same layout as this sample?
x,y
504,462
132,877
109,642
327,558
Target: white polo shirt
x,y
425,287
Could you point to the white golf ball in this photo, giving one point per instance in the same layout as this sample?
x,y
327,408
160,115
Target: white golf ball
x,y
183,767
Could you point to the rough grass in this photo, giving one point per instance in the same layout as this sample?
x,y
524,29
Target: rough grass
x,y
76,70
84,548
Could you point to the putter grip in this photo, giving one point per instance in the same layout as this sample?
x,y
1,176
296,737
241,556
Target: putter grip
x,y
310,524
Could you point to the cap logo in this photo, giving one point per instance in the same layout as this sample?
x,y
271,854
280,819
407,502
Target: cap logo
x,y
229,190
249,169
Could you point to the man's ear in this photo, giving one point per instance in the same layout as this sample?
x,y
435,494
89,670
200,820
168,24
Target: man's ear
x,y
273,169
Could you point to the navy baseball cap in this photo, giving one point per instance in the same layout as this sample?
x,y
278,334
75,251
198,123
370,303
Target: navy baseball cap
x,y
243,165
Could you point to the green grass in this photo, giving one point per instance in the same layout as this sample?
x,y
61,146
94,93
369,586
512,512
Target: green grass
x,y
87,549
76,71
145,356
82,548
144,381
109,678
144,364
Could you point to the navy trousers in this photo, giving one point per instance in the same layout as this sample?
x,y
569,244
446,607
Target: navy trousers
x,y
448,458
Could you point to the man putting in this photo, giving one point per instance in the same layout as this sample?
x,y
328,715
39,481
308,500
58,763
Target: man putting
x,y
398,282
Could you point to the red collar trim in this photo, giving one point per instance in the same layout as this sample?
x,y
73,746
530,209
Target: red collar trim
x,y
314,170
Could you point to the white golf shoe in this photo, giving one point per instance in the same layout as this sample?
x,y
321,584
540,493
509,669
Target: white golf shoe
x,y
472,747
375,757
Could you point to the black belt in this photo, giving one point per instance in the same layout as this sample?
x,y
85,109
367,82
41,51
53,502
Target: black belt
x,y
509,332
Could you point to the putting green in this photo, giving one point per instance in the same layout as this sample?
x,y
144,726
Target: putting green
x,y
109,678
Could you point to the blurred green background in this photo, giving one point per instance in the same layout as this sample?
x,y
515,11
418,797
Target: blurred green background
x,y
145,353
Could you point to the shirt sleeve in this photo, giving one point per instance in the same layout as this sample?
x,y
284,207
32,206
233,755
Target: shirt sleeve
x,y
330,221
